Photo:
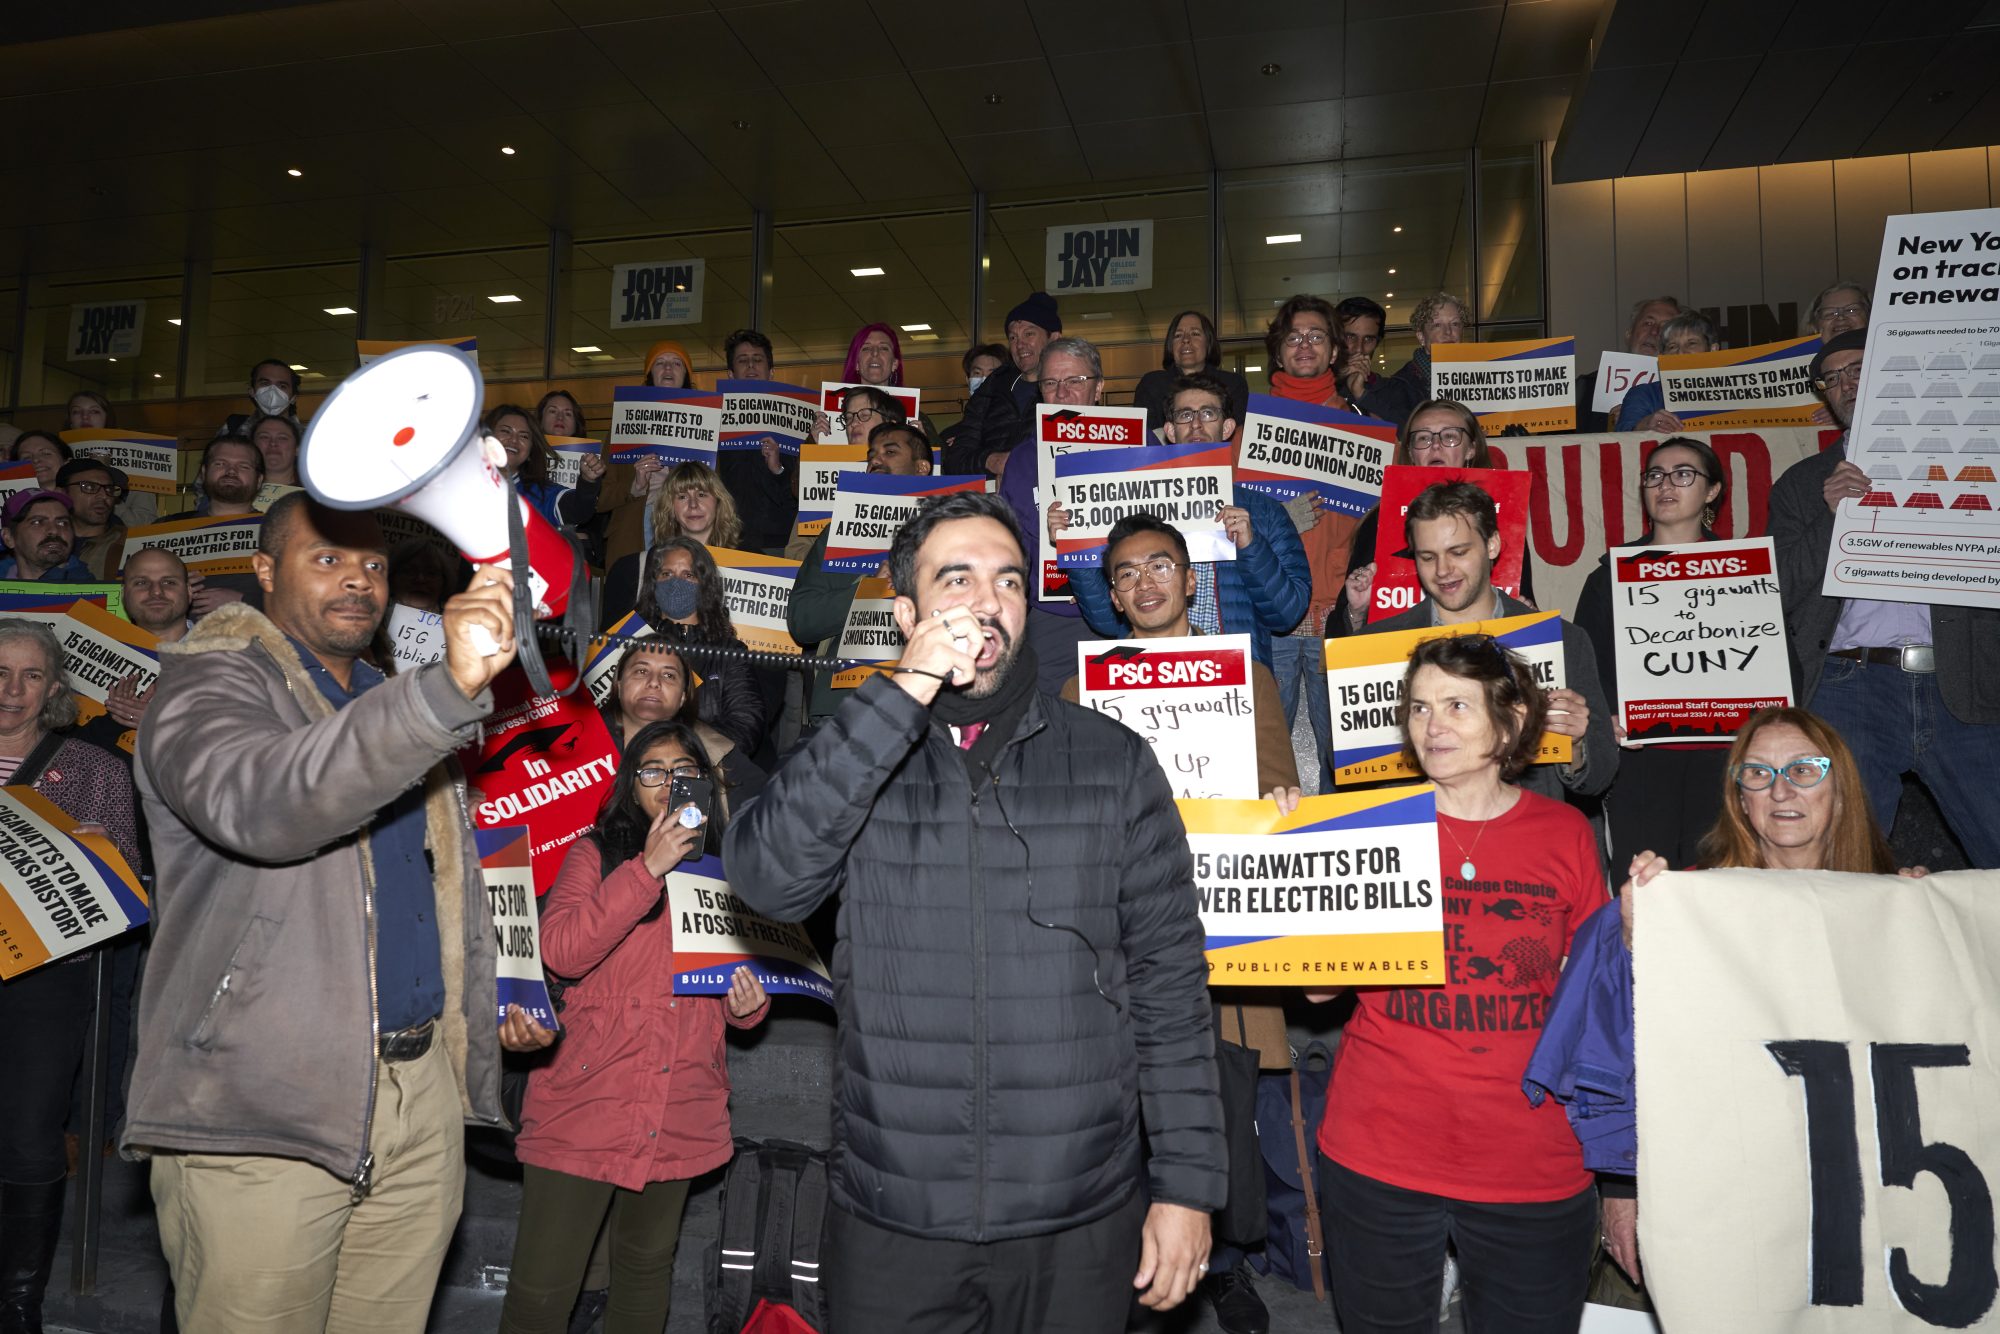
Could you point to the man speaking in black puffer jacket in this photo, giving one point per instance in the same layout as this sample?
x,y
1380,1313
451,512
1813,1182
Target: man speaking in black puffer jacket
x,y
1019,975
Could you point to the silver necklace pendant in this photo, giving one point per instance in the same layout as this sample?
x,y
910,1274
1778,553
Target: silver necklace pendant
x,y
1466,870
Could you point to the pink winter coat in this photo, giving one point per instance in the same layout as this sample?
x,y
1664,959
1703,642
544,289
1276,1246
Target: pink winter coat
x,y
638,1090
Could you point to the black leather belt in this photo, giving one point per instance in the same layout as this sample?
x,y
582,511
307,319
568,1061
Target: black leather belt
x,y
409,1043
1921,658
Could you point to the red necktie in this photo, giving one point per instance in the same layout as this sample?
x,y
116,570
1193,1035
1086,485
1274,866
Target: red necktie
x,y
969,734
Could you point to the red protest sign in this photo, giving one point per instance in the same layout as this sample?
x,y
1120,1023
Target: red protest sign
x,y
1396,588
545,763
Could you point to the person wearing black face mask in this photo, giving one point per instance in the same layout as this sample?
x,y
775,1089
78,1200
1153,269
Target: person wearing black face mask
x,y
682,599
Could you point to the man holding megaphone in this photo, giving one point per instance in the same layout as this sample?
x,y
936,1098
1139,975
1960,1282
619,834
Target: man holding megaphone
x,y
317,1022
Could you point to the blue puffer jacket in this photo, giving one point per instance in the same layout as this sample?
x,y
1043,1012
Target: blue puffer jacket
x,y
1263,592
1584,1056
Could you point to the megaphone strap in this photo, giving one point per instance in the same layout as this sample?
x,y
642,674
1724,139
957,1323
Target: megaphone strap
x,y
575,646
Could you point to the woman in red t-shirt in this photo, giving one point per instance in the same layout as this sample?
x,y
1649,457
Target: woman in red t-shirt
x,y
1426,1138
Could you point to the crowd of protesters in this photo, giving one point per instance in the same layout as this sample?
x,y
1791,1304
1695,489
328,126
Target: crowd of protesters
x,y
1027,1128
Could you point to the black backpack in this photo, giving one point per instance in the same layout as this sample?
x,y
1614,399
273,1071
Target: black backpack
x,y
773,1223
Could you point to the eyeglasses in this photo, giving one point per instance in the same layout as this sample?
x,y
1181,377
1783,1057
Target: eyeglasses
x,y
1654,477
1050,388
98,488
1310,338
1806,771
1845,375
860,415
654,776
1189,416
1827,313
1158,571
1449,438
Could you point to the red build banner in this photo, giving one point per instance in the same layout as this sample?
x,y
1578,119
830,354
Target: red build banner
x,y
545,763
1396,588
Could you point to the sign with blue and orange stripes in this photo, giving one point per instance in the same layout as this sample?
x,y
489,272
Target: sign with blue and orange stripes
x,y
1769,384
1344,891
868,509
60,891
1182,485
1530,383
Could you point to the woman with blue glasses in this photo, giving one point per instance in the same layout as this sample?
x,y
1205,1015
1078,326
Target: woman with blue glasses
x,y
1792,801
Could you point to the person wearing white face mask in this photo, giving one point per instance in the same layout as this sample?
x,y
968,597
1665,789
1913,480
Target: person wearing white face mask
x,y
274,392
979,364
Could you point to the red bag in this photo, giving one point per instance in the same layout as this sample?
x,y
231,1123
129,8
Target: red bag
x,y
767,1317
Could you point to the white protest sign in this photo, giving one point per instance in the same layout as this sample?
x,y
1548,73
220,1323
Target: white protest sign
x,y
1618,374
416,638
1700,638
833,392
212,545
1766,385
567,455
600,666
1062,429
1291,448
504,866
151,463
17,477
1818,1062
106,329
869,507
664,291
757,589
1192,700
820,469
1927,422
869,634
673,425
60,891
101,650
1099,257
1530,383
1183,485
716,932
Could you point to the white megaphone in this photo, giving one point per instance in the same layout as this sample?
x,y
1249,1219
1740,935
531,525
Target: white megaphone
x,y
404,431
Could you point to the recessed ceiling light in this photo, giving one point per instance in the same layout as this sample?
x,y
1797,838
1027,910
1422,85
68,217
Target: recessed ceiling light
x,y
866,273
1388,294
339,310
589,347
114,358
1289,238
173,321
916,328
156,375
1392,270
1397,228
295,366
505,149
293,171
1252,369
504,299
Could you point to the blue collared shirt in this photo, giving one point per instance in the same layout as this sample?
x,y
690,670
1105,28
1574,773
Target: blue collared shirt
x,y
409,978
71,571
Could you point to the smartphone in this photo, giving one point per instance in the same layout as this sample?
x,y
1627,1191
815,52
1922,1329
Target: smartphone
x,y
700,793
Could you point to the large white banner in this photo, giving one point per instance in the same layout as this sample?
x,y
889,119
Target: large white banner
x,y
1819,1100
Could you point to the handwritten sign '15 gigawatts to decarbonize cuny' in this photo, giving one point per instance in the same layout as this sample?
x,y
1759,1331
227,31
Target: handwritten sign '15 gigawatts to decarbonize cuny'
x,y
1190,697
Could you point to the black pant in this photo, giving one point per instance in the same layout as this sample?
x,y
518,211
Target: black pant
x,y
1664,801
48,1012
1524,1267
1077,1281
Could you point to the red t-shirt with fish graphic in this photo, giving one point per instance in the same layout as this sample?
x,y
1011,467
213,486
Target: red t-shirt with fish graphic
x,y
1426,1091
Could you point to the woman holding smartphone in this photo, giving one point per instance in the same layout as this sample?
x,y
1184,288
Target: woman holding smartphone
x,y
635,1103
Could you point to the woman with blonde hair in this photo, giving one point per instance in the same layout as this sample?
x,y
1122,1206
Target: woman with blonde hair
x,y
691,501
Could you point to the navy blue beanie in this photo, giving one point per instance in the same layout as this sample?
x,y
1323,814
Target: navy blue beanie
x,y
1039,308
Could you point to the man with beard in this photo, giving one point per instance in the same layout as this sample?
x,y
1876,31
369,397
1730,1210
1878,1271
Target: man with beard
x,y
94,487
1019,977
317,1019
40,541
232,474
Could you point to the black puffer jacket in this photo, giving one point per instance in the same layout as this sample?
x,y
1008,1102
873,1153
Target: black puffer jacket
x,y
985,1090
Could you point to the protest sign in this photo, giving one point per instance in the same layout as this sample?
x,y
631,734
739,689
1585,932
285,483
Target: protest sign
x,y
1099,257
1061,429
600,666
1769,384
674,425
17,477
50,603
1364,685
1927,422
100,651
369,349
869,634
270,493
869,507
831,392
400,526
568,453
517,930
1396,588
151,463
1289,448
754,411
106,330
60,891
1700,633
1344,891
1530,383
207,546
544,762
820,469
1817,1073
1189,697
1183,485
757,589
1618,374
715,932
415,637
657,291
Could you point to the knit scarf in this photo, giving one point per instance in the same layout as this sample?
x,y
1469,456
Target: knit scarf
x,y
1316,390
1001,711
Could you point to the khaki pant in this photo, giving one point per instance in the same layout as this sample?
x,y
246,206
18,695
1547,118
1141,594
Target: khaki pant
x,y
276,1246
